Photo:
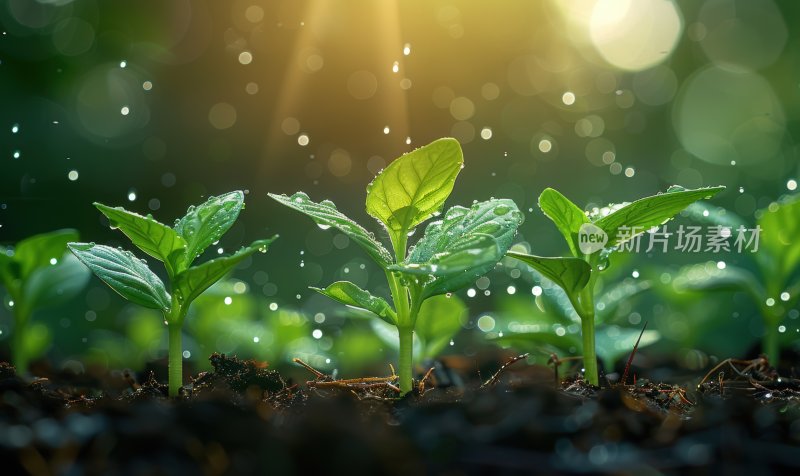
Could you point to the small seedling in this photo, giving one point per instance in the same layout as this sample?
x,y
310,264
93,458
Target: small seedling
x,y
591,237
454,251
38,272
177,248
775,287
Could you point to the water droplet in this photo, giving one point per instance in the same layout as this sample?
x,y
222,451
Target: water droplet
x,y
132,195
123,64
322,226
395,66
256,339
316,333
407,49
228,300
125,110
16,154
568,98
72,175
386,130
53,261
303,140
501,210
15,128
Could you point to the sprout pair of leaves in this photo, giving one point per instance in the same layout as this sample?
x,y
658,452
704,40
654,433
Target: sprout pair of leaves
x,y
37,273
576,275
775,286
177,247
454,250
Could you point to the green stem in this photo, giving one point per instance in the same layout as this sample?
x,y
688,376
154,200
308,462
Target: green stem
x,y
19,355
175,358
589,355
770,345
406,353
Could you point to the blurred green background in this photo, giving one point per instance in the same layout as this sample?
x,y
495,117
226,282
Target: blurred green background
x,y
154,105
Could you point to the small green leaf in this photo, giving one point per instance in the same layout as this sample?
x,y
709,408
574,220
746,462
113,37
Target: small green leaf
x,y
779,247
645,213
326,216
464,245
348,293
206,223
567,216
37,251
414,187
192,282
124,273
56,283
154,238
570,274
439,319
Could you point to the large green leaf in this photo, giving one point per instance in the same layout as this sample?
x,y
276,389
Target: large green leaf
x,y
56,283
192,282
570,274
464,245
124,273
439,319
206,223
37,251
415,186
154,238
779,247
567,216
326,216
348,293
645,213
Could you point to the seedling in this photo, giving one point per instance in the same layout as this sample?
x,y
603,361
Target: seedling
x,y
454,251
591,237
177,248
777,261
38,273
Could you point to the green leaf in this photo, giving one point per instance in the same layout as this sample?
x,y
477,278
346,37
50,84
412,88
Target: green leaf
x,y
8,269
570,274
124,273
154,238
439,319
55,284
326,216
37,251
192,282
206,223
567,216
779,247
36,339
348,293
701,278
464,245
648,212
414,187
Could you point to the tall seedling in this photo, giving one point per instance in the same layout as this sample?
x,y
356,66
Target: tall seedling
x,y
591,236
177,248
454,251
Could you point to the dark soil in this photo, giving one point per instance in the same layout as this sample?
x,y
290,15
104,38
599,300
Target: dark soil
x,y
243,418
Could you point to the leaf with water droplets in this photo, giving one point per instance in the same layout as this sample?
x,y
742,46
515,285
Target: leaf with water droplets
x,y
154,238
570,274
325,214
192,282
124,273
415,186
348,293
464,245
648,212
206,223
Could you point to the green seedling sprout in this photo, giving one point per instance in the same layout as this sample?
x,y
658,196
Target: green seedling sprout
x,y
591,237
177,248
775,287
38,272
455,250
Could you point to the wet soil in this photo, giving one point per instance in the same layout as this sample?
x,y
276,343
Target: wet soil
x,y
243,418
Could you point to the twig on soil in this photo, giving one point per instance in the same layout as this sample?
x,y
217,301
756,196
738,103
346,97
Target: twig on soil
x,y
633,354
361,388
556,361
421,386
494,378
